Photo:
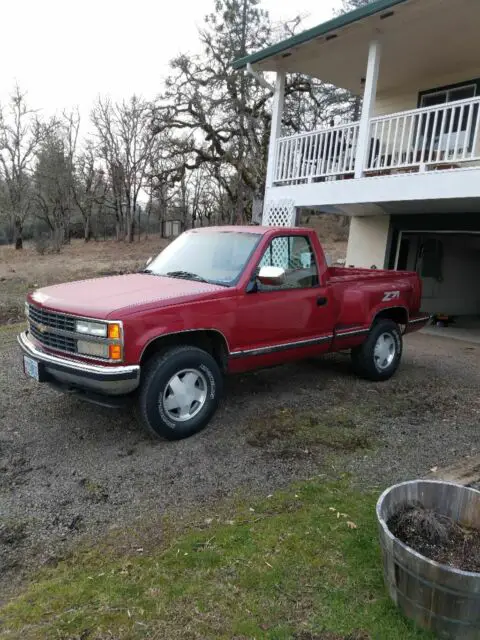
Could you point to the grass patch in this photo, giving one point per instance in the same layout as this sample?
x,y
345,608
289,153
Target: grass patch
x,y
302,564
289,432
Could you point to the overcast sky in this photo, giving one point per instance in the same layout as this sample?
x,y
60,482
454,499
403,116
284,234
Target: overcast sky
x,y
65,53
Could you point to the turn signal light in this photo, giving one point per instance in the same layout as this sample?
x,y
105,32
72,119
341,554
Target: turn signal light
x,y
115,352
114,331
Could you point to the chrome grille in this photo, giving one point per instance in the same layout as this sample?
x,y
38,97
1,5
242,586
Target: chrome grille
x,y
45,324
54,341
51,318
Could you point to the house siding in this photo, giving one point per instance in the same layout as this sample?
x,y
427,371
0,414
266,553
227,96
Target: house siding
x,y
407,98
394,103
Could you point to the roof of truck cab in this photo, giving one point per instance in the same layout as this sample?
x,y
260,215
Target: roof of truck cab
x,y
254,229
230,229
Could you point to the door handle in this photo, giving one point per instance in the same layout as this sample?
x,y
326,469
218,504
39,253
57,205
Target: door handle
x,y
322,301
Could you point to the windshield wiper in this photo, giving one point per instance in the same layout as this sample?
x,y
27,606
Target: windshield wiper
x,y
187,275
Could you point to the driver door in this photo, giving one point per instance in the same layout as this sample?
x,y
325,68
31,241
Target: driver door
x,y
287,321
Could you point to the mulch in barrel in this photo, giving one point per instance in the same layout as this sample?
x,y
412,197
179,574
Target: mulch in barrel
x,y
437,537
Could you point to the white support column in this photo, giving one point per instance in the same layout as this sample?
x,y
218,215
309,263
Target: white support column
x,y
367,241
369,97
276,127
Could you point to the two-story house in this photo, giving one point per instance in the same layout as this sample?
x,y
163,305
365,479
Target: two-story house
x,y
408,172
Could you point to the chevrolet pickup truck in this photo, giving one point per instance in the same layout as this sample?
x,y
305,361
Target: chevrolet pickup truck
x,y
216,301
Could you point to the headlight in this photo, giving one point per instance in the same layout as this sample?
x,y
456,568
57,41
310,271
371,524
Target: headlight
x,y
96,349
91,328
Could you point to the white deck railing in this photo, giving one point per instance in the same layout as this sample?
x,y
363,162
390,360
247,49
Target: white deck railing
x,y
324,153
419,139
445,134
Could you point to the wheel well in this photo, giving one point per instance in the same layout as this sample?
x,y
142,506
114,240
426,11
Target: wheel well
x,y
210,340
397,314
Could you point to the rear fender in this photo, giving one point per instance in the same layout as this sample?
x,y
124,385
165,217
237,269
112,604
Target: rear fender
x,y
398,313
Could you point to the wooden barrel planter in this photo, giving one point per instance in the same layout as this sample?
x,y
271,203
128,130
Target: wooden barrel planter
x,y
437,597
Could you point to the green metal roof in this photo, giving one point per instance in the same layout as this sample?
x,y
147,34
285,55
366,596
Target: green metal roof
x,y
322,29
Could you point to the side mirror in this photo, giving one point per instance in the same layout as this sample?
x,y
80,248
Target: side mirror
x,y
148,261
272,276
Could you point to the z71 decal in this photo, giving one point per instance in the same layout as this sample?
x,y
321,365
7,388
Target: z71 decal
x,y
390,295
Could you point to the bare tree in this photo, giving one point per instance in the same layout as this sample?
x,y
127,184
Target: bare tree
x,y
54,177
221,114
125,144
224,116
89,188
21,134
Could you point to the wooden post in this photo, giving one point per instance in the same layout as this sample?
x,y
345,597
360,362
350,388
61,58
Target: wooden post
x,y
368,107
276,127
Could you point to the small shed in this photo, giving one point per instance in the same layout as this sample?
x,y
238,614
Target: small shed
x,y
171,228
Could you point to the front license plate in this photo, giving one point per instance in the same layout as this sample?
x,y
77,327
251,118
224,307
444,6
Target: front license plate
x,y
31,367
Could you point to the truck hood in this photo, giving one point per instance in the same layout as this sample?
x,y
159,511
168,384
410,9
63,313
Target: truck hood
x,y
122,295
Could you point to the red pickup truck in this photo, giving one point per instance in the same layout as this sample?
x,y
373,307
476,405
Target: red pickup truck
x,y
217,300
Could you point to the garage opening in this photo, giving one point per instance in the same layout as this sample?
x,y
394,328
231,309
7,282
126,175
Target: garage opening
x,y
449,266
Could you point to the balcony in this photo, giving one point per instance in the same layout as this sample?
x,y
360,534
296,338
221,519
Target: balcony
x,y
435,142
445,137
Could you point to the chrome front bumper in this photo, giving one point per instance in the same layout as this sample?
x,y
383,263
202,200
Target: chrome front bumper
x,y
72,374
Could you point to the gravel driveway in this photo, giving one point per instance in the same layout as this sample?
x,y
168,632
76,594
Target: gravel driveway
x,y
68,468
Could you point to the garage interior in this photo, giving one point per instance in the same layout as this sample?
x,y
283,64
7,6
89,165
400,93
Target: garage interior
x,y
448,261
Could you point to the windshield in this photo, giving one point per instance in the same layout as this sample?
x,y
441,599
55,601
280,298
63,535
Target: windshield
x,y
218,257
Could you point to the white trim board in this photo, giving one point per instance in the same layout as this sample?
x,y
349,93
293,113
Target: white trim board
x,y
431,185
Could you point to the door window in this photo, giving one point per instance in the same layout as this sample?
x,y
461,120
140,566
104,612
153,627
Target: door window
x,y
293,254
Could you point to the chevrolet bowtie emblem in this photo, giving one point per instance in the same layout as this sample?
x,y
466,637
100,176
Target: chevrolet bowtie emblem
x,y
42,328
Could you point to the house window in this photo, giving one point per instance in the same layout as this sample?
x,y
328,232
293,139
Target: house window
x,y
442,96
454,126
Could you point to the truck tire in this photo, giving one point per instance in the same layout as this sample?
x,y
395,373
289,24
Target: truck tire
x,y
179,392
379,356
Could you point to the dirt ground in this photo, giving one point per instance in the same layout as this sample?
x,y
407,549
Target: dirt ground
x,y
437,537
68,469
